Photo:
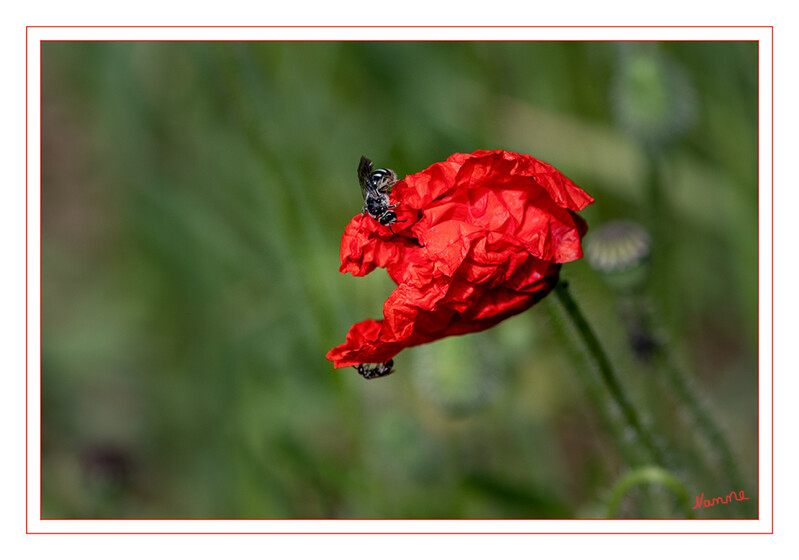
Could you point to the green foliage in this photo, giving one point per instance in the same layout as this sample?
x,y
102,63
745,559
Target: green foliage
x,y
193,201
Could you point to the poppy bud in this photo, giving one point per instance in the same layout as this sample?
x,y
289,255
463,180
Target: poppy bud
x,y
653,100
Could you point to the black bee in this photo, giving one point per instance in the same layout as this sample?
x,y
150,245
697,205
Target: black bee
x,y
375,188
379,370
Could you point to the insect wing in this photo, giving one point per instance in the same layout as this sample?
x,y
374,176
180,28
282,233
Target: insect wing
x,y
365,177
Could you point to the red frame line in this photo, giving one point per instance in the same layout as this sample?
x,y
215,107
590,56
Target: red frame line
x,y
27,531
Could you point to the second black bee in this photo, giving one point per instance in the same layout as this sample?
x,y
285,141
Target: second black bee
x,y
378,370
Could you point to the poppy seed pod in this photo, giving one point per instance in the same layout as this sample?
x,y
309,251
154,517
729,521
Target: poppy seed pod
x,y
478,238
653,98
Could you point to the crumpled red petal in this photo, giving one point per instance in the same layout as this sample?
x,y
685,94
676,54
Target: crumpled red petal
x,y
480,237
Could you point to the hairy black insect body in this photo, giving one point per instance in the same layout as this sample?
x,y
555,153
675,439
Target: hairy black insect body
x,y
368,371
375,188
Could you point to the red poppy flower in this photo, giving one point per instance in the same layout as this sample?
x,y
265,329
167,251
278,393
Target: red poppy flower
x,y
479,237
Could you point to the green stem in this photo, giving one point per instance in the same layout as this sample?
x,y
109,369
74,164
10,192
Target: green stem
x,y
703,421
648,475
609,377
665,369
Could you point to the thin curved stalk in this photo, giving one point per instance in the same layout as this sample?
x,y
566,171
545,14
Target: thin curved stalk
x,y
608,375
649,474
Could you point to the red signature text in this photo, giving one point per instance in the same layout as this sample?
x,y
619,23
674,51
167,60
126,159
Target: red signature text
x,y
702,502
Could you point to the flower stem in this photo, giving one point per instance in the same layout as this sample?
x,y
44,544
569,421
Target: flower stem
x,y
663,366
644,476
704,423
609,377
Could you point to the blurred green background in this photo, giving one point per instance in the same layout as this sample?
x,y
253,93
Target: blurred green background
x,y
193,200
